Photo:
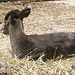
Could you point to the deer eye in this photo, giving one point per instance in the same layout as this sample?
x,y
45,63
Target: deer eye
x,y
14,21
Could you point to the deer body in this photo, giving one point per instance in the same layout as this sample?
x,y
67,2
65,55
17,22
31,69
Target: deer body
x,y
47,43
35,45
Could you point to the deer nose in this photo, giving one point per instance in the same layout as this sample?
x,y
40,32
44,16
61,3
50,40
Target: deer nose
x,y
1,30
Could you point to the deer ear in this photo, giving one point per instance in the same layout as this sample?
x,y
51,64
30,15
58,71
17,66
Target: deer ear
x,y
25,12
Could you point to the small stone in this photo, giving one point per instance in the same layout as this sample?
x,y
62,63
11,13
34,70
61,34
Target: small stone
x,y
4,67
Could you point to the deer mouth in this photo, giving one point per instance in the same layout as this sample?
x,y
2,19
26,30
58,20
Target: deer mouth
x,y
4,31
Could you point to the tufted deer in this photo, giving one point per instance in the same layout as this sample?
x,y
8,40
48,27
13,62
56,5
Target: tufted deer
x,y
34,45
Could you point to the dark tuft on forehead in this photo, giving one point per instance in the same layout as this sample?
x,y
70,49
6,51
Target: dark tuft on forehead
x,y
15,11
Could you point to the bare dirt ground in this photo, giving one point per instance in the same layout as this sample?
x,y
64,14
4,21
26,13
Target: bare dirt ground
x,y
45,17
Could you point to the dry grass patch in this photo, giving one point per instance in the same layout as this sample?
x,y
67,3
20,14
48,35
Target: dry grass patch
x,y
44,18
26,67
